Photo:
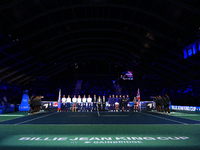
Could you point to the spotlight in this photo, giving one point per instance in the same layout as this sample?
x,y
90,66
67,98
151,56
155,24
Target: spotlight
x,y
76,66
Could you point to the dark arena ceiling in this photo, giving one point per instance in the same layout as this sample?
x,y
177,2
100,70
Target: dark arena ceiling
x,y
47,38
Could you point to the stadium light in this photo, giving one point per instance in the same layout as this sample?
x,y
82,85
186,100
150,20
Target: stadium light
x,y
191,49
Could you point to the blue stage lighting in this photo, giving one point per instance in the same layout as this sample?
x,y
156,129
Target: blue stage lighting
x,y
191,49
185,54
190,52
199,46
194,49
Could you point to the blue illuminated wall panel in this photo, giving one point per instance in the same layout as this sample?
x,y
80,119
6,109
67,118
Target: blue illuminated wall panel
x,y
185,54
190,52
199,46
194,49
191,49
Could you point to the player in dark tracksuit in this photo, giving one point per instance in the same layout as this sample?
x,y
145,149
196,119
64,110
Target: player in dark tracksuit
x,y
99,103
104,103
161,103
127,103
109,103
113,103
31,105
157,103
117,103
123,102
120,102
95,103
39,102
164,102
167,103
36,104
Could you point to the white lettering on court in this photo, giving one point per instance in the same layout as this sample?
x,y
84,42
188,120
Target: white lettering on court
x,y
83,139
94,138
102,139
62,139
106,138
74,139
24,139
137,138
120,138
149,138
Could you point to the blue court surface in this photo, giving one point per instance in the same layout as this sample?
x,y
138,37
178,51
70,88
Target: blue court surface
x,y
92,118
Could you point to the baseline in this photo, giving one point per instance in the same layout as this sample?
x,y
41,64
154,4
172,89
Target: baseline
x,y
179,116
35,118
165,118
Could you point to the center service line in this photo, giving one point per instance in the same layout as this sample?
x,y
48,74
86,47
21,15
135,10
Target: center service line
x,y
35,118
165,118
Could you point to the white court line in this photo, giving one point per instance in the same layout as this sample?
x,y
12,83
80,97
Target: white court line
x,y
186,115
11,115
77,116
101,124
115,115
13,119
166,119
35,118
172,114
186,118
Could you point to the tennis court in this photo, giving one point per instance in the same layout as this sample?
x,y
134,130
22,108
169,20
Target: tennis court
x,y
109,130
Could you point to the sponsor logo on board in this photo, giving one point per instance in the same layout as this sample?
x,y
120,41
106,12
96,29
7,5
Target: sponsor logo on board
x,y
186,108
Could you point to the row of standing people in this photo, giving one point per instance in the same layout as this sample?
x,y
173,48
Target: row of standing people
x,y
115,103
162,101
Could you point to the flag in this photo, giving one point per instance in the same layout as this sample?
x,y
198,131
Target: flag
x,y
138,97
59,100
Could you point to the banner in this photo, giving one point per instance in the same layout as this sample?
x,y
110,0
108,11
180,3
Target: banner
x,y
24,103
185,108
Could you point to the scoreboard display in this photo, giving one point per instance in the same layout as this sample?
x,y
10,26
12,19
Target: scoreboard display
x,y
127,75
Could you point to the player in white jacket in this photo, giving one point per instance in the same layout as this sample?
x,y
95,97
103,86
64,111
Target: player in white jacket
x,y
74,100
79,103
68,102
64,100
89,100
84,103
